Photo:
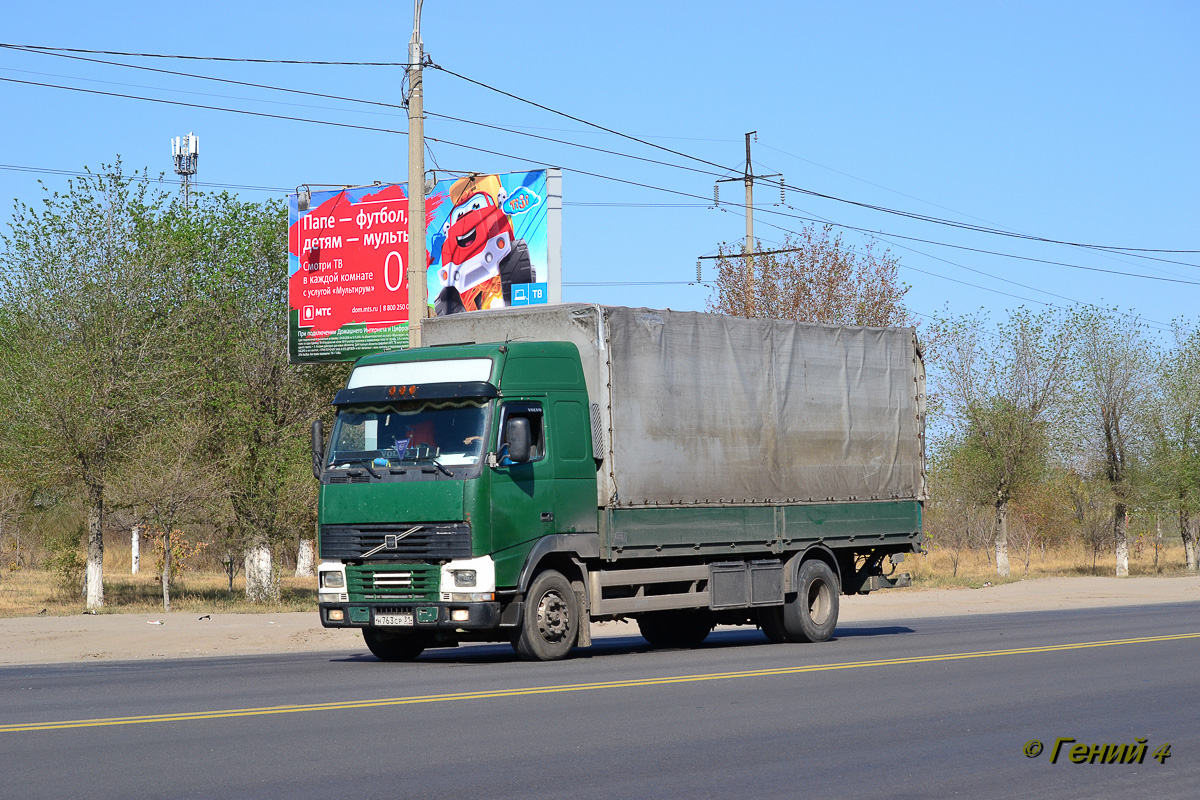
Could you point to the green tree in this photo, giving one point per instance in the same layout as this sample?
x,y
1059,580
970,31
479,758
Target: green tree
x,y
1004,396
170,482
1115,362
1173,427
89,320
259,405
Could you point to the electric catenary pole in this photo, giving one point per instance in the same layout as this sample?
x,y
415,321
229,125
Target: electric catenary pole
x,y
418,296
186,150
748,177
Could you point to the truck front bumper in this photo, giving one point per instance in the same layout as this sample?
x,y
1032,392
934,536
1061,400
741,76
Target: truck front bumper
x,y
431,616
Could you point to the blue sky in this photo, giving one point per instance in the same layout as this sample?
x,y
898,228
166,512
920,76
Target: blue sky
x,y
1068,121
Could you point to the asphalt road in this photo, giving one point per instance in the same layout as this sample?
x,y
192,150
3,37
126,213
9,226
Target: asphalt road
x,y
919,708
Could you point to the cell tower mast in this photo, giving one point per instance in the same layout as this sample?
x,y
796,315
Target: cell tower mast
x,y
186,150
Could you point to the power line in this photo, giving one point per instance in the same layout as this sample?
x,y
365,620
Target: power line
x,y
584,172
911,215
202,94
211,58
1161,325
928,202
635,205
869,206
882,209
203,106
251,84
456,144
578,119
139,178
637,283
977,250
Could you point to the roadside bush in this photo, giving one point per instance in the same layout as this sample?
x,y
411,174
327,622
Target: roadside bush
x,y
65,559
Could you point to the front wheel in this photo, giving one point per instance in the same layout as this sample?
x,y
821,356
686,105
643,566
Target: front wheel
x,y
808,615
389,645
549,619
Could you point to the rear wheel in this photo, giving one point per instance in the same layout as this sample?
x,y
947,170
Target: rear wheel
x,y
550,619
810,614
387,645
675,628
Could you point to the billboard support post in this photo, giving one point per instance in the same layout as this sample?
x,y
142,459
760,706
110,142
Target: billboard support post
x,y
418,296
554,233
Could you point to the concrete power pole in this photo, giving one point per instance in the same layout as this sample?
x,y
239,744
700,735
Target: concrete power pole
x,y
748,177
418,295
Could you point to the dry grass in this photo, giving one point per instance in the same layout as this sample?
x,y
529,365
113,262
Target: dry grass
x,y
28,592
935,569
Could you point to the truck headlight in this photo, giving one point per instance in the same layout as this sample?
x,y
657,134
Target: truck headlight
x,y
333,580
464,577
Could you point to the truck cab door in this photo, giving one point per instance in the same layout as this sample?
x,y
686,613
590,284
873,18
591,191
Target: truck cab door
x,y
522,495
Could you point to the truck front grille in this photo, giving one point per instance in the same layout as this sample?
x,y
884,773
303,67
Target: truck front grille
x,y
431,541
392,581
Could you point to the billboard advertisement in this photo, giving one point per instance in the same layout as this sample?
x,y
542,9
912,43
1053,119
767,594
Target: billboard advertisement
x,y
491,241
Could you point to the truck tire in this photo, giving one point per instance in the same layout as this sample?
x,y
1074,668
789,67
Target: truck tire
x,y
810,614
675,628
389,645
549,619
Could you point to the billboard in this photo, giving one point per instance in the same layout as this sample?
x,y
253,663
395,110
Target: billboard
x,y
491,241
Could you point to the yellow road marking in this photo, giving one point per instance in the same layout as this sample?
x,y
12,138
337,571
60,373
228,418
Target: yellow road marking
x,y
575,687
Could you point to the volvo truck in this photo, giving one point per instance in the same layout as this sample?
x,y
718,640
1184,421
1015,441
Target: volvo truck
x,y
536,469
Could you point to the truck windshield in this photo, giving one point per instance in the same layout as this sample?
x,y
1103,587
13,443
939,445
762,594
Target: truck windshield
x,y
448,432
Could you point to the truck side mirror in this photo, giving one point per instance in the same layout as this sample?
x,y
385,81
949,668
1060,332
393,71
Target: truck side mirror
x,y
318,449
516,433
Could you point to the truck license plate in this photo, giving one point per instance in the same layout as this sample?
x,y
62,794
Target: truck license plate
x,y
393,619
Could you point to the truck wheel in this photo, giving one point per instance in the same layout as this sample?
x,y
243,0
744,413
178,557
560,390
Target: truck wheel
x,y
392,645
771,622
810,614
675,628
550,619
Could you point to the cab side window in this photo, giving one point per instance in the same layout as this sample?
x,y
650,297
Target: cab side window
x,y
537,430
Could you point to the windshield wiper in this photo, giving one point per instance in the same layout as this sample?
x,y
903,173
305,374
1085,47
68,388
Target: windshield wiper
x,y
433,460
366,462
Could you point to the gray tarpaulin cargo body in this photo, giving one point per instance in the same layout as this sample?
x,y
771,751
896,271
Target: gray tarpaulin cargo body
x,y
709,410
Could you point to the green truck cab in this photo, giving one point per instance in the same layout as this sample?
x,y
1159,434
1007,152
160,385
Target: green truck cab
x,y
499,487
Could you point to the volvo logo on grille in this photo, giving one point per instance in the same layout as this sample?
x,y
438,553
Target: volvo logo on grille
x,y
390,541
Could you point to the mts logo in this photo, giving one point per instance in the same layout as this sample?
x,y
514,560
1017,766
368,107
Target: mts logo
x,y
309,313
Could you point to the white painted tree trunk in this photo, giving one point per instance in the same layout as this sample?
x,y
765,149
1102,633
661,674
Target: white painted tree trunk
x,y
260,580
1002,539
306,559
1120,516
94,574
1157,540
166,573
135,545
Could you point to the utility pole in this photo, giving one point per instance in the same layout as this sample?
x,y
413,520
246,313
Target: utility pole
x,y
186,150
418,295
748,177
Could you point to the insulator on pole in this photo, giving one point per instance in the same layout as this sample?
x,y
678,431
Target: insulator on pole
x,y
697,270
782,195
716,195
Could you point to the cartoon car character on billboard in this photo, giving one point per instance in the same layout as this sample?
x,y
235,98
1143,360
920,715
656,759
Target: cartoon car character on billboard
x,y
481,258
